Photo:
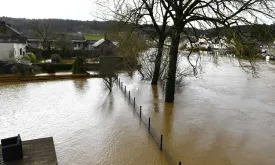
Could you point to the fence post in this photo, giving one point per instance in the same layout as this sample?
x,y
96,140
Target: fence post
x,y
140,107
161,139
134,102
129,96
179,163
149,124
125,89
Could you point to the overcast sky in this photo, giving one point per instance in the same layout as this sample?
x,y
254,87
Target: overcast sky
x,y
64,9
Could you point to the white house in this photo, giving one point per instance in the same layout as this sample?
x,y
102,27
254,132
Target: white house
x,y
204,42
12,43
201,42
220,43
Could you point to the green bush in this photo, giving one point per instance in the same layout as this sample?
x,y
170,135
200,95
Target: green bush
x,y
26,58
78,65
56,58
32,57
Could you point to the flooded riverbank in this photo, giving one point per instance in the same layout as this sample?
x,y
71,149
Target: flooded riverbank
x,y
89,125
226,117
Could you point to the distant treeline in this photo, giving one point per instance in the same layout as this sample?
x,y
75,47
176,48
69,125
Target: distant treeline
x,y
260,32
60,25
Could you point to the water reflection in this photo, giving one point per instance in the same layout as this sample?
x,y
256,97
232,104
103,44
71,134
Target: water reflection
x,y
168,118
155,97
81,84
226,118
89,125
108,104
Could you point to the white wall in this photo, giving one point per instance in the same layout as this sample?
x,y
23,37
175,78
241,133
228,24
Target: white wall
x,y
11,50
17,47
6,51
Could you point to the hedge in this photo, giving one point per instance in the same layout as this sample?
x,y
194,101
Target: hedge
x,y
52,68
2,64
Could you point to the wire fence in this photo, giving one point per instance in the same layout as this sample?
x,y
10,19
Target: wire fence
x,y
147,123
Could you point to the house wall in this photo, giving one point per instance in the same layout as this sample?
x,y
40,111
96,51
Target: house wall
x,y
6,51
78,45
17,47
11,50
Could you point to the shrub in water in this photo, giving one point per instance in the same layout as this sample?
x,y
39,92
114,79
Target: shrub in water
x,y
78,65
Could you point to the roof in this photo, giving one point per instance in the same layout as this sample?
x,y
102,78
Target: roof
x,y
11,29
89,37
10,35
14,30
99,42
74,36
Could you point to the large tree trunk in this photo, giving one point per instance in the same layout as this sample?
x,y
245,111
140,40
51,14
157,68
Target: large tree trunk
x,y
172,68
158,61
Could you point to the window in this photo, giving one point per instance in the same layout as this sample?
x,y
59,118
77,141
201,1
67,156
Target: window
x,y
20,51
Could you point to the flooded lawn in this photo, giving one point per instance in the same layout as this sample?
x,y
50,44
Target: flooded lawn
x,y
224,118
89,125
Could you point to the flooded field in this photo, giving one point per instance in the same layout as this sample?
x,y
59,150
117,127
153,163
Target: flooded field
x,y
89,125
226,117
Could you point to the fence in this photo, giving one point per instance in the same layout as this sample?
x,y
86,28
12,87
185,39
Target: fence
x,y
147,123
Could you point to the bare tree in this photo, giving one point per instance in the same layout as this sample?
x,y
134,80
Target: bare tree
x,y
109,81
158,17
42,29
63,43
130,45
208,14
144,15
199,14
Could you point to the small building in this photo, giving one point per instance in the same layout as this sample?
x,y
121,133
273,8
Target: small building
x,y
191,42
219,43
78,41
12,43
202,42
104,47
91,39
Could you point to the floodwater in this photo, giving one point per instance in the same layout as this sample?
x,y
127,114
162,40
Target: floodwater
x,y
225,117
90,126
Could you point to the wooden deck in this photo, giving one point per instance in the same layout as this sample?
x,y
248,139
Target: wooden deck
x,y
39,151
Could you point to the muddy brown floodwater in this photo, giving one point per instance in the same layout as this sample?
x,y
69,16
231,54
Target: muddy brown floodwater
x,y
227,117
89,125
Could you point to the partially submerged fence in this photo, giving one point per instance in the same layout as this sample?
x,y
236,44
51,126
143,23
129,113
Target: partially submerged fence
x,y
147,123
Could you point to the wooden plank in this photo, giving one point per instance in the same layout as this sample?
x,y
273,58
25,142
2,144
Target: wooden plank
x,y
38,151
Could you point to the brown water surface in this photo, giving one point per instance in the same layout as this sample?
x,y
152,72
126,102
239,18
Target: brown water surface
x,y
226,117
90,126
